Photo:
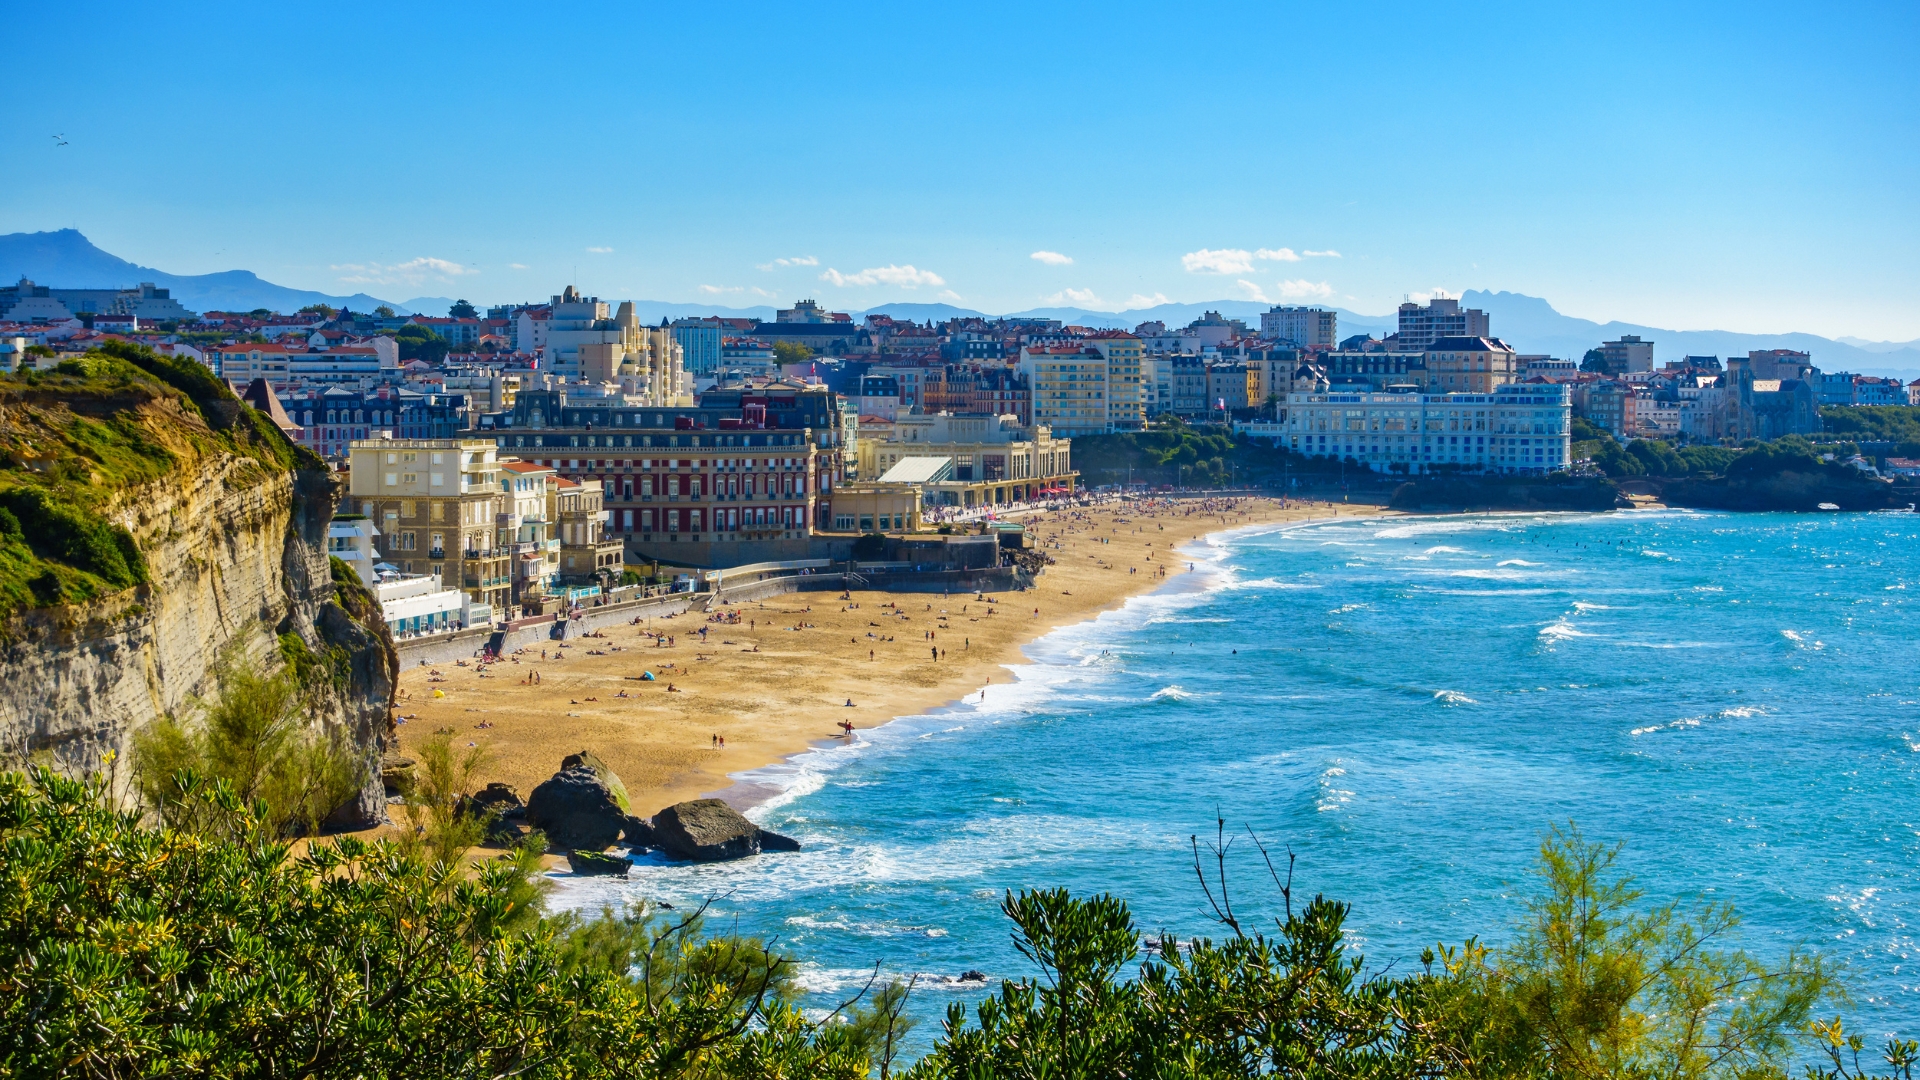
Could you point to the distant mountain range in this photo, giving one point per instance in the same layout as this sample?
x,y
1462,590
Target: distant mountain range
x,y
67,259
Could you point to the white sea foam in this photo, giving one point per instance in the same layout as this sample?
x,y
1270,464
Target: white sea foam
x,y
1169,693
1736,712
1269,583
1517,562
1800,641
1453,697
1582,605
1332,796
1560,630
1445,550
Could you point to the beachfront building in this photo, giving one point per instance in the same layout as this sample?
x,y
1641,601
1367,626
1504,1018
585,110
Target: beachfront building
x,y
416,604
527,526
884,507
1069,384
589,555
1125,354
1520,428
745,475
434,502
993,459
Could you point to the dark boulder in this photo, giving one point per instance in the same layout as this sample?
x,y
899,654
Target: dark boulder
x,y
501,799
773,841
705,830
583,806
638,833
595,863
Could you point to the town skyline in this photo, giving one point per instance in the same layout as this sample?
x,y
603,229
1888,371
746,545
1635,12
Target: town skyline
x,y
1633,178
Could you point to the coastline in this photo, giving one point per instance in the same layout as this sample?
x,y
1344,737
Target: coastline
x,y
774,684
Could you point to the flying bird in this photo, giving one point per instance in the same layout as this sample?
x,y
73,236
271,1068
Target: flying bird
x,y
59,140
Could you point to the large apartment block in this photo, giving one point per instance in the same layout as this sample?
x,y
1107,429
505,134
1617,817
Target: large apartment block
x,y
1304,327
1420,326
1069,385
1519,428
439,507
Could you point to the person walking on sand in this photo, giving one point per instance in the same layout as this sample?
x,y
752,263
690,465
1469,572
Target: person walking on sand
x,y
935,652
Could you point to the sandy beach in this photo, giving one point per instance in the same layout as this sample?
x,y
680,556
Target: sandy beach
x,y
775,677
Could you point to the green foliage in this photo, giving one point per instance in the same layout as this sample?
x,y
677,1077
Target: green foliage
x,y
253,739
791,352
206,947
1584,430
383,311
441,827
1173,452
1879,423
1614,460
1791,454
462,310
1592,987
419,343
870,546
131,951
1594,361
325,311
1601,989
70,540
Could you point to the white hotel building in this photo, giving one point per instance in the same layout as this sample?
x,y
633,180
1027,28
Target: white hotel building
x,y
1518,428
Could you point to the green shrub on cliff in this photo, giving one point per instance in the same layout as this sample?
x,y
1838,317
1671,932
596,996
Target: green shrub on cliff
x,y
85,435
252,737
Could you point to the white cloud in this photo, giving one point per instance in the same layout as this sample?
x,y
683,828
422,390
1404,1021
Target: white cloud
x,y
412,272
1051,258
1253,292
1277,255
601,250
1327,254
758,291
711,289
1082,297
907,277
782,264
1223,261
1435,293
1299,289
949,294
1139,301
516,266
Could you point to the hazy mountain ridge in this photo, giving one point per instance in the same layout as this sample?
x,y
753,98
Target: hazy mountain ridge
x,y
67,259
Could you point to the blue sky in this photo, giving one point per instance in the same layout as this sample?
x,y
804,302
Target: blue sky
x,y
1751,167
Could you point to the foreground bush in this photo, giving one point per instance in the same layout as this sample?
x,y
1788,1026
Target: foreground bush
x,y
127,951
211,948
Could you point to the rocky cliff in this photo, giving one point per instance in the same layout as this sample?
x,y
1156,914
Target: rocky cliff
x,y
222,525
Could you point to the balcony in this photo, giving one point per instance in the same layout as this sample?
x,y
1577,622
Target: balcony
x,y
436,553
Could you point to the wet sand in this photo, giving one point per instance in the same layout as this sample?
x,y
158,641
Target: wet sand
x,y
778,680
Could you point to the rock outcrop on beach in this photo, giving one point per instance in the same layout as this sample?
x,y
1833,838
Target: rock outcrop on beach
x,y
597,864
584,806
708,830
201,538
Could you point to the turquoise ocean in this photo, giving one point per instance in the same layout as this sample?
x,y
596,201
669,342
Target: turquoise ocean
x,y
1406,705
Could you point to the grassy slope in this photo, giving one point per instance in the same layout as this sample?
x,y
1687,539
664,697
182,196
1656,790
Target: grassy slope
x,y
79,439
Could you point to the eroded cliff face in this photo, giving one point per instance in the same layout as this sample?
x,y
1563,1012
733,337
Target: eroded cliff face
x,y
236,555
